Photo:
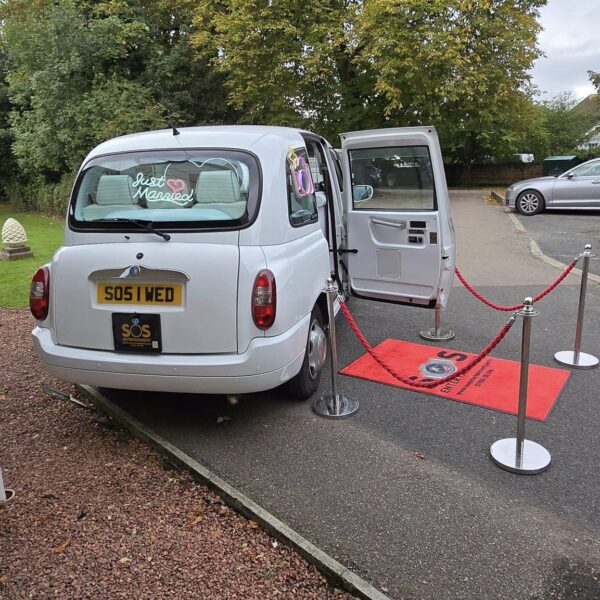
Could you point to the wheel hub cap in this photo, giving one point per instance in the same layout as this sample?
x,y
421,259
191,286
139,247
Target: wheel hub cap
x,y
529,203
317,348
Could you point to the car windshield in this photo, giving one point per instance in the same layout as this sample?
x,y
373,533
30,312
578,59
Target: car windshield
x,y
193,188
589,169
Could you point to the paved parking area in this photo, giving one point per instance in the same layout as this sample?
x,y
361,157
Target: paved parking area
x,y
563,234
404,492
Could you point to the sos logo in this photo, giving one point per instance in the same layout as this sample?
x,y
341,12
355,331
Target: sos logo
x,y
136,331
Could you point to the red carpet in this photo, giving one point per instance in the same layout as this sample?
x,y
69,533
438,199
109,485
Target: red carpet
x,y
493,383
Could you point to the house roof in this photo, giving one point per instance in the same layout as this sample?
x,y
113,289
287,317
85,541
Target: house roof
x,y
589,105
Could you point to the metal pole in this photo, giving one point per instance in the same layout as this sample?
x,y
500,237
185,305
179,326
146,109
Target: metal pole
x,y
5,494
334,405
527,313
579,359
437,333
332,343
520,455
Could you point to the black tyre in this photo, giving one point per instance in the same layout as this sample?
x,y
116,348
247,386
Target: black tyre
x,y
305,384
530,203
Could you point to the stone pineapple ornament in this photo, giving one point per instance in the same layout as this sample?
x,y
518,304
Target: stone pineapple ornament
x,y
13,234
14,240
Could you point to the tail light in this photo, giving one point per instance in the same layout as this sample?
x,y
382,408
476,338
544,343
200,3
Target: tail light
x,y
39,294
264,300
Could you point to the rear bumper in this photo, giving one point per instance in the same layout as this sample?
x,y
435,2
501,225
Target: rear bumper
x,y
267,363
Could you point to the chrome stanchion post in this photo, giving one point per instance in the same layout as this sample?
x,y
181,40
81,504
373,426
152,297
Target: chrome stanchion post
x,y
437,334
334,405
576,358
520,455
5,494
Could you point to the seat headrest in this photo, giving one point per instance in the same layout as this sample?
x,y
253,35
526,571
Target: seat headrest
x,y
217,186
114,189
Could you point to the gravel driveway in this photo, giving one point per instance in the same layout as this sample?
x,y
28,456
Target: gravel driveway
x,y
99,515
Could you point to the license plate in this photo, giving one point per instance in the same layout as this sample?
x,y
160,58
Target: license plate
x,y
140,293
134,332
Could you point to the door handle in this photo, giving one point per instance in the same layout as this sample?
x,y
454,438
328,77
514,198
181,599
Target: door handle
x,y
396,224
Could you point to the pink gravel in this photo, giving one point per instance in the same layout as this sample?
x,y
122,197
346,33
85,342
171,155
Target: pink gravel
x,y
99,515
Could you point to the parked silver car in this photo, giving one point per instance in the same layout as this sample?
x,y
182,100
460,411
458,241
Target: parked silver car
x,y
578,187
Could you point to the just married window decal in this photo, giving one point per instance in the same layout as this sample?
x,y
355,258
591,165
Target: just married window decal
x,y
161,189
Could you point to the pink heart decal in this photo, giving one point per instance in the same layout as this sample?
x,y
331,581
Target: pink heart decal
x,y
176,185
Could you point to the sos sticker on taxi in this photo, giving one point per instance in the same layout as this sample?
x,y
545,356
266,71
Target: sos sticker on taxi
x,y
136,332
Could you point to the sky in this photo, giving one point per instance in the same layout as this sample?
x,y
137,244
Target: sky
x,y
571,43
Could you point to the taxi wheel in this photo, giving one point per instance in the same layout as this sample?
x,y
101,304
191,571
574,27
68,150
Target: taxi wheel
x,y
305,384
530,203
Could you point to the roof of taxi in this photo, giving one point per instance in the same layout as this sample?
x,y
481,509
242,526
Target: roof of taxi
x,y
221,136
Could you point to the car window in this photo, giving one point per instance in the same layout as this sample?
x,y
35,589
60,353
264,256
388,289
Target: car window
x,y
393,178
181,188
586,170
301,188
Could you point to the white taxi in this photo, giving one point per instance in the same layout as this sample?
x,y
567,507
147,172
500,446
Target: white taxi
x,y
195,260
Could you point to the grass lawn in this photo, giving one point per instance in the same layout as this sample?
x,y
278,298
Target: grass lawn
x,y
44,236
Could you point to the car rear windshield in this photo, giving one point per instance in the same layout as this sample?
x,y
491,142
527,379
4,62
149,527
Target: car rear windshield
x,y
178,189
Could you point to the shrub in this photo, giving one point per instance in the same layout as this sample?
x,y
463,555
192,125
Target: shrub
x,y
39,196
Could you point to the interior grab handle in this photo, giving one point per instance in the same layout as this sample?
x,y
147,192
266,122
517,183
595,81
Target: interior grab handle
x,y
396,224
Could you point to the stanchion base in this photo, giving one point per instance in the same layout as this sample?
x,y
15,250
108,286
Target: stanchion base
x,y
325,406
437,335
585,361
535,458
10,494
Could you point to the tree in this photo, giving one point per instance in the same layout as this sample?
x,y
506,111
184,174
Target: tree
x,y
564,126
289,63
461,65
71,80
191,91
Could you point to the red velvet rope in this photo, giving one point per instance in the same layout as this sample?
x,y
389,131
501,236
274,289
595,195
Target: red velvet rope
x,y
423,384
536,299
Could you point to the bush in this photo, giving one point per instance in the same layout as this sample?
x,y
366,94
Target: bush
x,y
39,196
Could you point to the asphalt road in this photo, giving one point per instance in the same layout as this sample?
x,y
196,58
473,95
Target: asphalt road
x,y
563,234
404,492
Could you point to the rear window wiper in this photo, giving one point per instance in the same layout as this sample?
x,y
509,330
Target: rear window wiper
x,y
143,224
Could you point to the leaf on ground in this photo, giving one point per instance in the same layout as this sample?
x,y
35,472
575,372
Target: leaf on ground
x,y
196,516
124,560
3,579
215,533
253,524
418,455
62,547
2,397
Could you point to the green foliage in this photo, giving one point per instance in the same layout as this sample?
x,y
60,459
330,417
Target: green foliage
x,y
44,237
461,65
289,63
38,195
562,128
70,80
191,91
76,72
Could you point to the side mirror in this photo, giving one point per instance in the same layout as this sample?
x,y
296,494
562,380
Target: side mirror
x,y
321,199
362,193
